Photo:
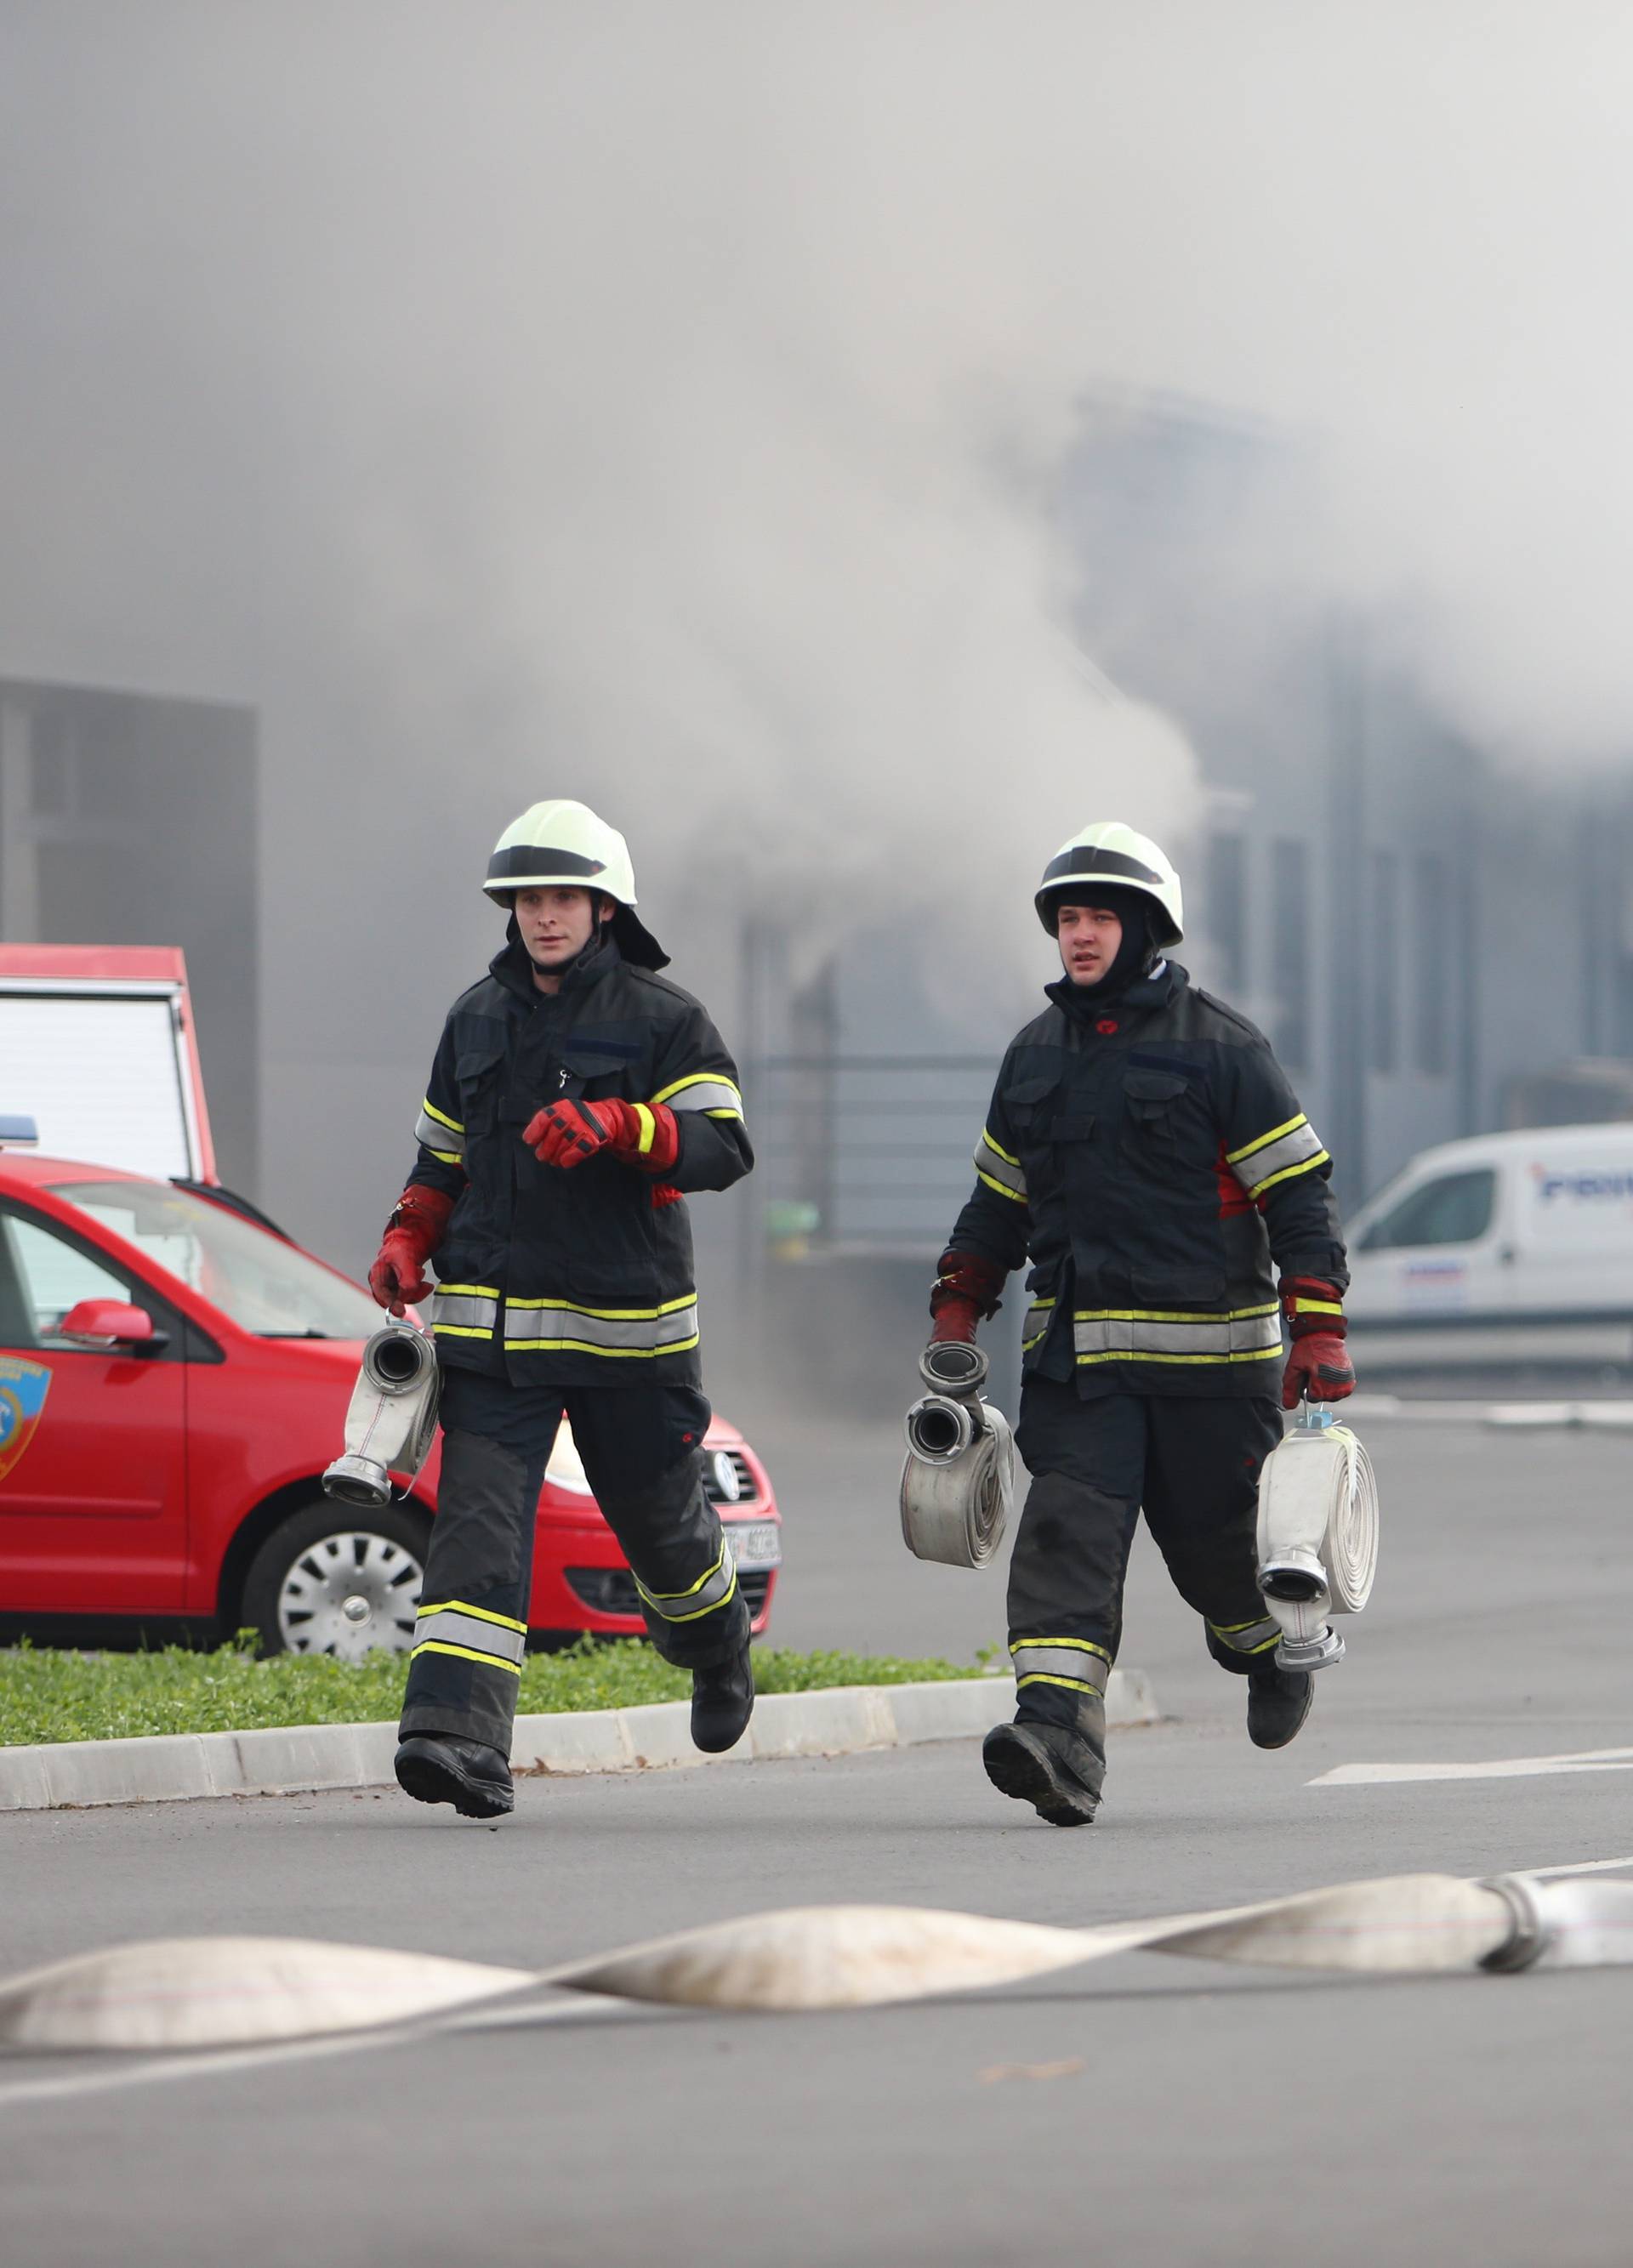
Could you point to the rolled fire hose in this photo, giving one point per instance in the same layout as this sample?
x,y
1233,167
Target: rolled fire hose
x,y
958,1478
229,1991
391,1421
1317,1535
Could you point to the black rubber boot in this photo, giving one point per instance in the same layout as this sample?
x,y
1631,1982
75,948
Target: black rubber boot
x,y
1044,1765
722,1702
1278,1701
440,1768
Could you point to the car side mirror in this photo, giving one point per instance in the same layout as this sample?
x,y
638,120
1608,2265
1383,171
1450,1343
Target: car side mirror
x,y
109,1323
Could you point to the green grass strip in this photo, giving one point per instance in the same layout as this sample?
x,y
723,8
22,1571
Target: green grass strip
x,y
57,1695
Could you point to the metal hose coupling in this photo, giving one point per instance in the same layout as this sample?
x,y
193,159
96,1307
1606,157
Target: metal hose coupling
x,y
1524,1899
392,1419
942,1424
959,1479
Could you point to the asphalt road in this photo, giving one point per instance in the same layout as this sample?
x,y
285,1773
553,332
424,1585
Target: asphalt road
x,y
1150,2108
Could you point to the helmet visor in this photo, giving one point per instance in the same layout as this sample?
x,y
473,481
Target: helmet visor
x,y
529,863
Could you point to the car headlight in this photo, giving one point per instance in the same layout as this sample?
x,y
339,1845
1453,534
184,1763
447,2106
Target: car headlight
x,y
566,1469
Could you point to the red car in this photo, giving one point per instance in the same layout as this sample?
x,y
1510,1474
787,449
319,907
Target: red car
x,y
173,1380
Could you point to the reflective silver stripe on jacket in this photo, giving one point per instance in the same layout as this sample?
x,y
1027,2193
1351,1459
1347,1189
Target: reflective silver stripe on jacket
x,y
457,1629
1248,1637
1104,1335
1061,1662
465,1311
717,1589
1294,1148
705,1090
999,1170
439,1134
548,1325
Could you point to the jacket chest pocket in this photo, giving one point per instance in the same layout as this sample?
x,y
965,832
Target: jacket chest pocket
x,y
1030,1105
1157,1114
590,1070
478,1072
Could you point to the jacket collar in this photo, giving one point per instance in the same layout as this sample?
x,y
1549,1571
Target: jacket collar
x,y
511,968
1143,998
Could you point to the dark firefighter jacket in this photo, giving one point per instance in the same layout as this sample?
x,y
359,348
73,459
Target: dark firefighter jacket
x,y
1150,1161
572,1277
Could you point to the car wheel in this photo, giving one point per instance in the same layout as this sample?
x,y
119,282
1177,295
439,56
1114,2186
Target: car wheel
x,y
331,1579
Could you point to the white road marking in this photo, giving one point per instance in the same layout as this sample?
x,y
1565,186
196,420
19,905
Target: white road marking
x,y
1583,1760
1582,1867
202,2063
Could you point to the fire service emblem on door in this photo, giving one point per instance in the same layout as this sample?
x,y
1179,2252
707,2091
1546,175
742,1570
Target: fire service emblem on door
x,y
23,1389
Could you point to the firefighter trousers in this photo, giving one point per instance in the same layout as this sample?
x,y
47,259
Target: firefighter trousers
x,y
642,1453
1194,1465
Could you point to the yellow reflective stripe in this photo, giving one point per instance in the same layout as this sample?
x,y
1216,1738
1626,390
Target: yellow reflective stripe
x,y
1168,1315
692,1589
1263,1141
703,1079
1042,1677
1317,1307
1258,1354
448,1157
441,1116
459,1331
464,1653
999,1147
1231,1633
698,1613
486,1614
1288,1173
601,1314
1088,1646
470,1290
648,1128
585,1346
666,1602
1014,1197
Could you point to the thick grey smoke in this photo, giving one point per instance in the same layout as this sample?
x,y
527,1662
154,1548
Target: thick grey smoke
x,y
663,404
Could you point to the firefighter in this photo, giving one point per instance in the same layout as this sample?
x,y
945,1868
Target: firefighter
x,y
576,1097
1145,1152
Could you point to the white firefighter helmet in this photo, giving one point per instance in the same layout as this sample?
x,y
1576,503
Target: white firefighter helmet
x,y
1108,852
564,844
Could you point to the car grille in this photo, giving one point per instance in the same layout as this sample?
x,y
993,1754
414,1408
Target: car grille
x,y
746,1491
612,1590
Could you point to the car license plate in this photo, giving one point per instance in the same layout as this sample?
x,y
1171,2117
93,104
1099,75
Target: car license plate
x,y
755,1543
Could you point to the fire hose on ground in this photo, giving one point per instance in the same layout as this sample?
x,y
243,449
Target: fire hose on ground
x,y
227,1991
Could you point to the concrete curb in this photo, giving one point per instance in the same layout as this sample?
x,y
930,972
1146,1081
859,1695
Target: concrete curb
x,y
303,1758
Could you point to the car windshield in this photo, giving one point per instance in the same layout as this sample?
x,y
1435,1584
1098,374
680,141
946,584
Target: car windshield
x,y
1456,1208
266,1286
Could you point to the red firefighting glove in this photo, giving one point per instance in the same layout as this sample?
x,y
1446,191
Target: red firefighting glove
x,y
412,1234
1318,1367
642,1134
964,1293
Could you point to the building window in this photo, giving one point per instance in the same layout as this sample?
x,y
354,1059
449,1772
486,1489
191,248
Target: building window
x,y
1431,961
1227,908
1383,922
1291,930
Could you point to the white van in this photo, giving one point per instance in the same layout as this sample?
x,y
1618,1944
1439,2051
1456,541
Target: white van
x,y
1509,1248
